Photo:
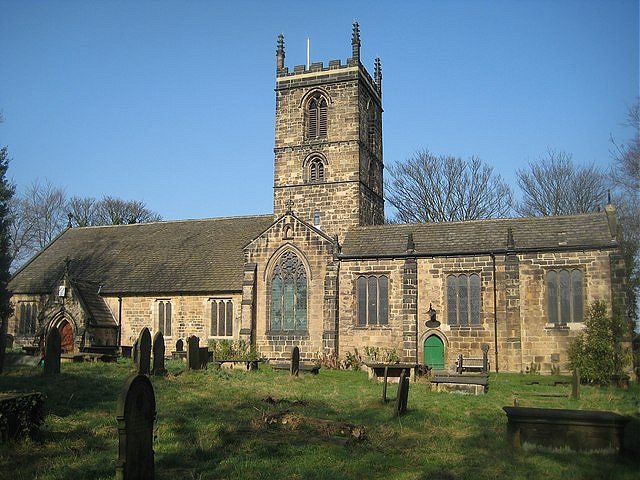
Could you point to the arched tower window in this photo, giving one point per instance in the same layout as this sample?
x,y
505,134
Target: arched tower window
x,y
316,170
317,117
288,295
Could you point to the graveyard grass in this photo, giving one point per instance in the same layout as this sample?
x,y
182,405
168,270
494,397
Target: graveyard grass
x,y
211,425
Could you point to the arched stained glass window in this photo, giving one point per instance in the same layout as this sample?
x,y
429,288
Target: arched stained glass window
x,y
289,295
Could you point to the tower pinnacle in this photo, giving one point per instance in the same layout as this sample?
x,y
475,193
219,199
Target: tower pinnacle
x,y
355,42
280,53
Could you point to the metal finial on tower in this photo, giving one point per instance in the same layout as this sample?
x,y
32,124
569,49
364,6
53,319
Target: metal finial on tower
x,y
355,42
280,53
378,74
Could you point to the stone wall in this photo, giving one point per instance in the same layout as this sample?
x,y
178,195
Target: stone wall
x,y
190,315
316,252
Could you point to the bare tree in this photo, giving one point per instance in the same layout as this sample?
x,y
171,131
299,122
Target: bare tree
x,y
626,156
45,207
554,185
83,211
430,188
115,211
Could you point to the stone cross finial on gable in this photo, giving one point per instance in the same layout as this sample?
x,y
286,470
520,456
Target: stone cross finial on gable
x,y
289,204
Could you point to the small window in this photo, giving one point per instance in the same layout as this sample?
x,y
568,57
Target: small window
x,y
27,314
463,299
564,296
373,300
221,318
317,118
164,317
316,170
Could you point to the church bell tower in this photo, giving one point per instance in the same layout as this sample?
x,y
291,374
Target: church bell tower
x,y
328,142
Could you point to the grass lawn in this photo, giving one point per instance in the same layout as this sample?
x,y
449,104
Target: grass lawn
x,y
210,425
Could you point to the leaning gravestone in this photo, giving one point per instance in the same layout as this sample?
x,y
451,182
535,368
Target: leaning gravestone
x,y
52,351
158,354
134,353
403,394
193,353
136,414
143,365
295,361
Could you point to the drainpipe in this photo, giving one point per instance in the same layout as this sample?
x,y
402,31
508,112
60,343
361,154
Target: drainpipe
x,y
495,310
119,320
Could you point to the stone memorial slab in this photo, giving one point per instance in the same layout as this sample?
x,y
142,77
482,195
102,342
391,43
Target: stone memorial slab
x,y
295,361
143,366
136,413
193,353
52,351
158,354
180,345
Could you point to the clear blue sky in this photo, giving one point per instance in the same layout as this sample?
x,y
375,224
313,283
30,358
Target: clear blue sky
x,y
172,102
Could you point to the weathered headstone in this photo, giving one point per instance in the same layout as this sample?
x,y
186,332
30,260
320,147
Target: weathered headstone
x,y
193,353
180,345
295,361
143,365
403,395
52,351
136,415
134,352
460,366
158,354
204,357
485,357
575,385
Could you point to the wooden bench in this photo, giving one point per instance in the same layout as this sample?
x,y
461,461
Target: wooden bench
x,y
468,364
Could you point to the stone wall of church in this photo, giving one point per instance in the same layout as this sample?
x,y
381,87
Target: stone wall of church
x,y
190,315
525,336
36,302
315,251
353,337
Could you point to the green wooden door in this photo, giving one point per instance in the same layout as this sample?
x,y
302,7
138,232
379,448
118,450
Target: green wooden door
x,y
434,352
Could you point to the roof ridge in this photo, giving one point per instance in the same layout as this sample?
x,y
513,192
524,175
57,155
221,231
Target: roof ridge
x,y
167,222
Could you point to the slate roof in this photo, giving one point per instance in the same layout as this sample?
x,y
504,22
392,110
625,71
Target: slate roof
x,y
572,232
99,313
182,257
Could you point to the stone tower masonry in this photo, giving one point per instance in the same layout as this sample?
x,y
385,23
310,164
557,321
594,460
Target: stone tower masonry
x,y
328,142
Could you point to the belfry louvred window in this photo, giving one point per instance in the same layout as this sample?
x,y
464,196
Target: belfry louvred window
x,y
317,118
316,170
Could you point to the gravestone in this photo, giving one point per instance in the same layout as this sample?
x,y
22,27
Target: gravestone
x,y
193,353
575,385
485,357
134,352
460,367
136,413
158,354
180,345
403,395
204,357
143,365
295,361
52,351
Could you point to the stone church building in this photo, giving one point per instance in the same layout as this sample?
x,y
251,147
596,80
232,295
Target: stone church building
x,y
324,272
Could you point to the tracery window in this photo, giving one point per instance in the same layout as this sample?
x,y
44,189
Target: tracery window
x,y
317,117
221,318
565,296
27,318
164,317
463,299
289,295
316,170
373,300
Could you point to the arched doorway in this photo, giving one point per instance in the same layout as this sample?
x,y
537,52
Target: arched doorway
x,y
66,336
434,352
